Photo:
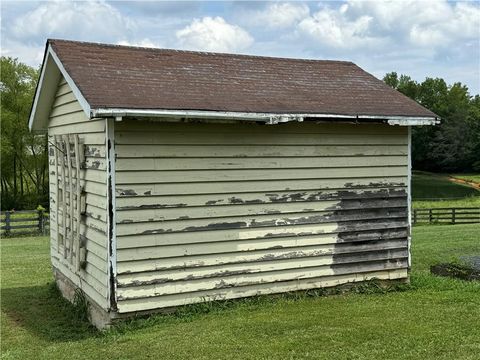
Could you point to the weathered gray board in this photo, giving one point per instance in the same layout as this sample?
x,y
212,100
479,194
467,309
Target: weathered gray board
x,y
67,117
214,211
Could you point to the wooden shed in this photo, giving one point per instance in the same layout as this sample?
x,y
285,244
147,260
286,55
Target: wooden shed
x,y
179,177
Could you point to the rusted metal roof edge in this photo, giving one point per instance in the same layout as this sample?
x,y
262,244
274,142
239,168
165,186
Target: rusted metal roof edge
x,y
268,118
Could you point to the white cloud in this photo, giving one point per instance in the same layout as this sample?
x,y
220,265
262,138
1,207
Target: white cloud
x,y
89,20
28,53
332,28
416,23
141,43
388,24
214,34
276,15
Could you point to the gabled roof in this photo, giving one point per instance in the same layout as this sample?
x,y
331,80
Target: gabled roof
x,y
111,80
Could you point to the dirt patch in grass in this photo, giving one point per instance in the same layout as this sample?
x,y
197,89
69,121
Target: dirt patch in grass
x,y
465,182
458,271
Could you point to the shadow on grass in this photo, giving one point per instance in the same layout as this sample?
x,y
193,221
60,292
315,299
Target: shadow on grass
x,y
42,311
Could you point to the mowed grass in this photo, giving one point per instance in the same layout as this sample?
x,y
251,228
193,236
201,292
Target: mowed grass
x,y
471,201
436,318
429,186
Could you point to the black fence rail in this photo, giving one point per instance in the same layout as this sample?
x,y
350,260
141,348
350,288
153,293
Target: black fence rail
x,y
465,215
33,222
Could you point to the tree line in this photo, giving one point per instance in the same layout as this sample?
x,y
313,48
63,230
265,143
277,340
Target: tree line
x,y
24,165
453,146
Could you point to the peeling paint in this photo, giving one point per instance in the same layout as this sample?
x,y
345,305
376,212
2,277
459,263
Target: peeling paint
x,y
95,164
126,192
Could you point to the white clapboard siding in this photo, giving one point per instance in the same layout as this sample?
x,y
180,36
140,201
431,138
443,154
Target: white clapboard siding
x,y
266,186
208,211
226,163
67,117
241,151
273,233
139,202
364,274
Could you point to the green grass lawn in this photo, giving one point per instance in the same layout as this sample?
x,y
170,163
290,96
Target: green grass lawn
x,y
471,201
436,318
429,186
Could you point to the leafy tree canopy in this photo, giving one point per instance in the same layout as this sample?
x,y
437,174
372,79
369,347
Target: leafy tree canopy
x,y
454,145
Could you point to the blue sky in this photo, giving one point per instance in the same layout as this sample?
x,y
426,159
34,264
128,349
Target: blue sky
x,y
418,38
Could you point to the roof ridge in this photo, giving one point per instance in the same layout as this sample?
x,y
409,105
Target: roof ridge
x,y
206,53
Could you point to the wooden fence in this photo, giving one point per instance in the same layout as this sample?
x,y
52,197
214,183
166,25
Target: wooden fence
x,y
466,215
24,222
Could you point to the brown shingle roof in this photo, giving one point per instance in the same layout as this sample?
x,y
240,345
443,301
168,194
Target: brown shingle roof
x,y
111,76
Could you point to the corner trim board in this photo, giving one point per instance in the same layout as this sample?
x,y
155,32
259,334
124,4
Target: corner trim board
x,y
409,196
111,218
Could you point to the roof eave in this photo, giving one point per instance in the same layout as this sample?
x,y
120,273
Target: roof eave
x,y
269,118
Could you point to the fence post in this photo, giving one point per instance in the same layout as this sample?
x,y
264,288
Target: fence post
x,y
41,223
430,217
453,216
7,223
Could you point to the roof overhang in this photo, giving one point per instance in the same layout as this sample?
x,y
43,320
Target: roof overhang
x,y
269,118
53,69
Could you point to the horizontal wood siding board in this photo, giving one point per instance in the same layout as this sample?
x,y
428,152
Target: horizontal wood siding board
x,y
89,139
151,303
90,187
232,138
376,264
94,175
89,283
137,125
90,199
94,126
64,99
263,243
252,151
66,108
274,232
259,221
173,273
63,88
279,208
96,241
193,176
126,202
92,258
205,254
224,270
231,187
225,163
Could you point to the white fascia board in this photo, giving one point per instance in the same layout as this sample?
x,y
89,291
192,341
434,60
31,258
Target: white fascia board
x,y
37,92
51,68
76,91
271,118
412,121
409,197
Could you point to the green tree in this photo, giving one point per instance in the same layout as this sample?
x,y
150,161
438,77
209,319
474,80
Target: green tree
x,y
24,180
454,144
